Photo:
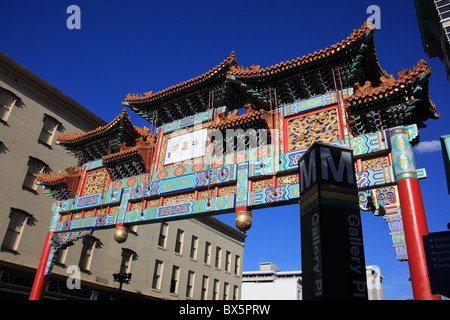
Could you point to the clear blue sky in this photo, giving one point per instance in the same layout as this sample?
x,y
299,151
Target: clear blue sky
x,y
139,46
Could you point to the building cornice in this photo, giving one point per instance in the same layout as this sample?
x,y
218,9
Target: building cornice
x,y
47,88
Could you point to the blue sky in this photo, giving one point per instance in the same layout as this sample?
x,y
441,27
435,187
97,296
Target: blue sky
x,y
139,46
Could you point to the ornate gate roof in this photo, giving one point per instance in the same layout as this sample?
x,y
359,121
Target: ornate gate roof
x,y
347,62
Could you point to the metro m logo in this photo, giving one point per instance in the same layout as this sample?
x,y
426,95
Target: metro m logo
x,y
307,176
326,163
345,162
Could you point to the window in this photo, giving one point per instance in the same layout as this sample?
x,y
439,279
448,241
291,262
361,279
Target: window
x,y
190,284
226,289
194,242
35,166
7,102
14,232
174,281
179,241
60,255
157,274
163,235
127,256
86,253
205,281
48,129
228,261
235,292
218,257
207,253
216,290
237,264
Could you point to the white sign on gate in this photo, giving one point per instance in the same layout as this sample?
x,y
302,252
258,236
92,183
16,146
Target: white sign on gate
x,y
185,147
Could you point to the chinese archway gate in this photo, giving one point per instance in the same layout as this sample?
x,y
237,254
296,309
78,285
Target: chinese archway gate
x,y
180,168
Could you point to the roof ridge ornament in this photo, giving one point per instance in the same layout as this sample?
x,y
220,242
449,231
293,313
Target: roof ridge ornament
x,y
388,81
232,57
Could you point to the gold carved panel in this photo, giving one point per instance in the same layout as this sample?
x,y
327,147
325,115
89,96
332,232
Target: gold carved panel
x,y
206,194
77,215
262,184
89,213
289,179
228,190
153,203
187,197
114,209
137,205
95,182
376,163
321,126
65,217
102,211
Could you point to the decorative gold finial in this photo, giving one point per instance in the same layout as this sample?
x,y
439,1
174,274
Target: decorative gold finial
x,y
243,220
121,233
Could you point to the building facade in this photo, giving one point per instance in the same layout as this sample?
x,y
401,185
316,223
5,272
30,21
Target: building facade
x,y
195,259
32,114
434,24
268,283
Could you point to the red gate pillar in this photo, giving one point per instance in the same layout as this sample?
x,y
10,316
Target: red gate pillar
x,y
37,291
413,212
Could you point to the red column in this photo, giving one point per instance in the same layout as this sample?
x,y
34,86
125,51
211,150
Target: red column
x,y
413,212
415,226
39,281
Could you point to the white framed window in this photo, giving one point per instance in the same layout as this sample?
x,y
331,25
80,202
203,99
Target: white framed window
x,y
235,293
194,245
127,257
205,281
48,129
7,102
237,264
35,166
163,235
190,284
207,259
218,257
157,275
226,291
17,220
87,253
228,261
174,281
179,241
60,256
216,286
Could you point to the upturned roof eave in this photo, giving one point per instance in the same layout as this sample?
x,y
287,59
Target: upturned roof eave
x,y
100,132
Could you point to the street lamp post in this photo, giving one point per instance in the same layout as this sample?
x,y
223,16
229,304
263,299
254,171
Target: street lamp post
x,y
121,278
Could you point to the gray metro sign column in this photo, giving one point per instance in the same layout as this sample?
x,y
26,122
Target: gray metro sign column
x,y
333,264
